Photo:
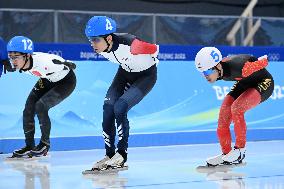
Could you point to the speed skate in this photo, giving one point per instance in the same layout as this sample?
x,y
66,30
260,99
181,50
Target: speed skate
x,y
106,170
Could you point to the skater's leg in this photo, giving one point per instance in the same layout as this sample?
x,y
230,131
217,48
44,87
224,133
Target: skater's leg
x,y
224,134
109,129
29,112
28,120
120,111
225,116
249,99
223,131
224,121
132,96
114,92
59,91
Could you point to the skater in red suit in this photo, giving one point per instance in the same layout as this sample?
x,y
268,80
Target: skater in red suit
x,y
254,84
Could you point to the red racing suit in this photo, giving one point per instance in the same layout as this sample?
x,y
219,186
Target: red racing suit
x,y
254,84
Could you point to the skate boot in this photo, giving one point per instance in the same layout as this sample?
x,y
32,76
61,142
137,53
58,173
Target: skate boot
x,y
22,153
100,164
97,167
117,161
215,160
40,150
108,165
235,156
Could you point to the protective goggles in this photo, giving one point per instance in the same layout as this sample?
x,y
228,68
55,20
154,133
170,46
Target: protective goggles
x,y
17,57
209,72
95,39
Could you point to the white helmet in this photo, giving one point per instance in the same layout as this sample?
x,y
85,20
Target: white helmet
x,y
207,58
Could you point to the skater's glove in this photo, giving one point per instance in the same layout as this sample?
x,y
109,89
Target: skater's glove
x,y
7,66
71,65
263,57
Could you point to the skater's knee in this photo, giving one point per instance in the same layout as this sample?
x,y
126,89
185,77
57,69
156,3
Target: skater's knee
x,y
29,109
222,130
40,107
120,108
108,107
107,111
27,112
237,109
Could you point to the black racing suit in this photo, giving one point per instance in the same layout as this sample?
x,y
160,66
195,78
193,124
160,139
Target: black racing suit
x,y
234,70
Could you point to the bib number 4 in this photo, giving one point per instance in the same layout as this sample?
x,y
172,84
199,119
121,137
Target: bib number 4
x,y
108,25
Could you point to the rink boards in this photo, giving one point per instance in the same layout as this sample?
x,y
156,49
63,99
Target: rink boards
x,y
182,108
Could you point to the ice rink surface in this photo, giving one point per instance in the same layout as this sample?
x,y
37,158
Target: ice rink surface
x,y
168,167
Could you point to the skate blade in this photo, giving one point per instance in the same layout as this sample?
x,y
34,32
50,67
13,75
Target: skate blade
x,y
38,158
218,168
105,171
26,158
15,158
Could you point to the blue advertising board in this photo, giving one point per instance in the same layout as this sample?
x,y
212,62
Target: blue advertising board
x,y
167,52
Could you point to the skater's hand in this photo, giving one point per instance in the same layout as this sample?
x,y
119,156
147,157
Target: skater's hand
x,y
263,57
71,65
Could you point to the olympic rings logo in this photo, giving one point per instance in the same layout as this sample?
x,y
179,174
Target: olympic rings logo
x,y
59,53
274,56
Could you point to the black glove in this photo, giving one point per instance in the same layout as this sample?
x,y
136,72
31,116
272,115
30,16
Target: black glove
x,y
71,65
7,66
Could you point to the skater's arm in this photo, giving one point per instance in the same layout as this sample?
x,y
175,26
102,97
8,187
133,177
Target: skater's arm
x,y
254,66
141,47
69,64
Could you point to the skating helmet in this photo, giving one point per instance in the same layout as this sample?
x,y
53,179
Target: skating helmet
x,y
207,58
100,26
20,44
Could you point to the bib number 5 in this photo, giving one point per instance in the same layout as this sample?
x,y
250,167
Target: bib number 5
x,y
215,56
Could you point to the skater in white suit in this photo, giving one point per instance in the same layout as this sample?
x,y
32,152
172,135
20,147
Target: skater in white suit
x,y
56,82
135,78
